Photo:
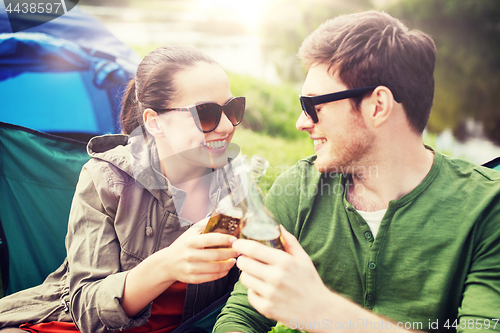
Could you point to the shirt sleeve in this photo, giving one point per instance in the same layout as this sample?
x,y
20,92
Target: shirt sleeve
x,y
283,202
96,280
480,309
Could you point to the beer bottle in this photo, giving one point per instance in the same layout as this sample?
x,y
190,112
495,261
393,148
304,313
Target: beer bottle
x,y
227,215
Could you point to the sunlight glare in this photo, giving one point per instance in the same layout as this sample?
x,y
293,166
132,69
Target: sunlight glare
x,y
248,11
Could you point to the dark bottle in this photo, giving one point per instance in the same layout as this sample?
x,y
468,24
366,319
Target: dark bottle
x,y
225,219
227,215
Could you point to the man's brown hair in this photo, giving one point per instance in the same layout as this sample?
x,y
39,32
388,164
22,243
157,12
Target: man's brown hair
x,y
373,48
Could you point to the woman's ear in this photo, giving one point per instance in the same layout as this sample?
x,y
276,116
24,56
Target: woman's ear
x,y
151,122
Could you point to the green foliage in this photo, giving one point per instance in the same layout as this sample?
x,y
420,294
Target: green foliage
x,y
268,128
286,23
281,153
467,36
466,32
270,109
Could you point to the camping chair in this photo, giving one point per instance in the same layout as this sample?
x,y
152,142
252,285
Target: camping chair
x,y
38,176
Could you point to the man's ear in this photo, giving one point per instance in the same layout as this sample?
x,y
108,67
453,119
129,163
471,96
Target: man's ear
x,y
151,122
381,105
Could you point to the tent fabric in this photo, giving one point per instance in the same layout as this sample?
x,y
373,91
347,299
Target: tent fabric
x,y
80,28
65,76
39,52
53,86
57,103
493,164
38,176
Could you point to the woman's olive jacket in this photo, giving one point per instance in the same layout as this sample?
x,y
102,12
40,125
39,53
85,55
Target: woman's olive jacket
x,y
123,210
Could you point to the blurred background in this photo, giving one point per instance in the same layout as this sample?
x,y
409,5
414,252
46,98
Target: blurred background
x,y
256,42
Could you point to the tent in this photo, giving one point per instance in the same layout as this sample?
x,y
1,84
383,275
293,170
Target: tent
x,y
38,176
59,81
493,164
65,76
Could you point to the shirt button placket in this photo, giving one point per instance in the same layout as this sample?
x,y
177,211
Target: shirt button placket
x,y
370,284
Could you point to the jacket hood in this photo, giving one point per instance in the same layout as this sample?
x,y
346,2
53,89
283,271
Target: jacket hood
x,y
130,155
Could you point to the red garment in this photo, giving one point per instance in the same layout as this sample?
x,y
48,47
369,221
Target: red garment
x,y
166,315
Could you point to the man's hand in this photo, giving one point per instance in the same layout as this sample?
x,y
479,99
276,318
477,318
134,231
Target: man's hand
x,y
281,285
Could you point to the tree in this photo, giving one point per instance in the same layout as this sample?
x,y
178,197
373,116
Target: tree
x,y
286,23
467,36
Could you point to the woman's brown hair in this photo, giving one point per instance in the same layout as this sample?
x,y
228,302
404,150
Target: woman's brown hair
x,y
153,85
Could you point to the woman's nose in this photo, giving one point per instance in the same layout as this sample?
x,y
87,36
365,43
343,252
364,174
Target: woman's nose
x,y
225,124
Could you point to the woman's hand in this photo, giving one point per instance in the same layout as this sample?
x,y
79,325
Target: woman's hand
x,y
187,260
192,258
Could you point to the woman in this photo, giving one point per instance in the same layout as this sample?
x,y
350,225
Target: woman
x,y
133,262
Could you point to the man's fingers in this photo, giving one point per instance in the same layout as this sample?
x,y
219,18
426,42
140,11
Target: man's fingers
x,y
292,245
260,303
251,282
252,266
259,251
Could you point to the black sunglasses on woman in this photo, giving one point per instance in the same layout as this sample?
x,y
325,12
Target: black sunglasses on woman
x,y
207,115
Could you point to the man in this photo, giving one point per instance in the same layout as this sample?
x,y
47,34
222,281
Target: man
x,y
385,233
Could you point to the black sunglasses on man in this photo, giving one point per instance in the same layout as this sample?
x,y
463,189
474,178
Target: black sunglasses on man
x,y
309,102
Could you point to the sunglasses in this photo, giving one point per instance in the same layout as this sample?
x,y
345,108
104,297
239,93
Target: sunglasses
x,y
207,115
309,102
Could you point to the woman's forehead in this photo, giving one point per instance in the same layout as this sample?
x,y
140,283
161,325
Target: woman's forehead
x,y
203,82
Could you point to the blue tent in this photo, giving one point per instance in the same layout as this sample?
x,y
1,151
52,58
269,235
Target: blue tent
x,y
65,76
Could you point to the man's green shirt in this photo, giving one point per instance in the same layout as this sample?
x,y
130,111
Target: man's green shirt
x,y
436,257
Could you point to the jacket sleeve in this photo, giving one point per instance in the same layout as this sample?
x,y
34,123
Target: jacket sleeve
x,y
96,280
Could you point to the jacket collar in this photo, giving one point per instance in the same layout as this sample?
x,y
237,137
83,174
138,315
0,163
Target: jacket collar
x,y
137,156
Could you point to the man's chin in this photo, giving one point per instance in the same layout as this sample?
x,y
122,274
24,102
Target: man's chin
x,y
323,166
331,166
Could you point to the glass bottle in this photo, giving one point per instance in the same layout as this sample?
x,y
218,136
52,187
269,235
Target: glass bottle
x,y
242,213
258,224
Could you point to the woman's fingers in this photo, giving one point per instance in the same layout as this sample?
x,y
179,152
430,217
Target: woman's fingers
x,y
210,267
210,240
200,272
209,255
